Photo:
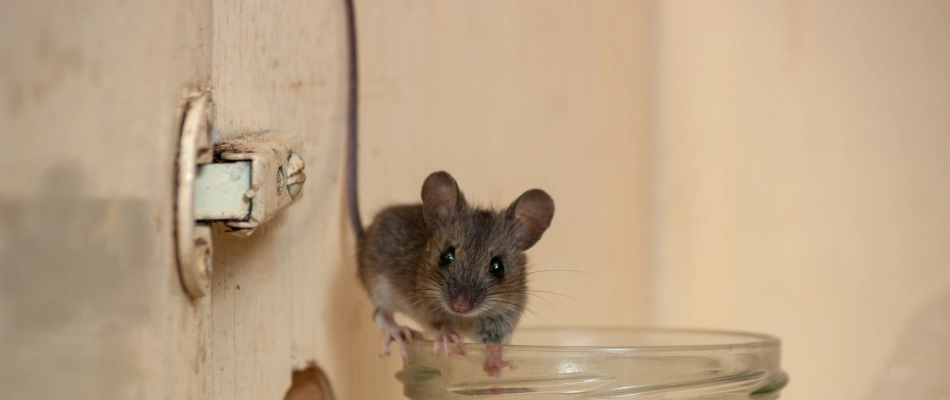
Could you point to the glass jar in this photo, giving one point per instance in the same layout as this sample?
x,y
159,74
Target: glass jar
x,y
604,364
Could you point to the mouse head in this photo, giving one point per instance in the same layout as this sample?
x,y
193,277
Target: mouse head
x,y
478,254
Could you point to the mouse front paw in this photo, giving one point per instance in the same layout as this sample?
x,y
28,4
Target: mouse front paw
x,y
447,336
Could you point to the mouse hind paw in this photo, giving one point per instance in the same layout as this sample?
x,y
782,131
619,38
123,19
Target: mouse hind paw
x,y
401,335
394,332
495,362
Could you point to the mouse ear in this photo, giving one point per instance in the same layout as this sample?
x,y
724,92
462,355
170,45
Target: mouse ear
x,y
441,199
529,217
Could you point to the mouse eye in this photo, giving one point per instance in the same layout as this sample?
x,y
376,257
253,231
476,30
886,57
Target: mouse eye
x,y
447,257
497,268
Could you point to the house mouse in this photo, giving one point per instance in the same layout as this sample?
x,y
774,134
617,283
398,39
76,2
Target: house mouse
x,y
451,266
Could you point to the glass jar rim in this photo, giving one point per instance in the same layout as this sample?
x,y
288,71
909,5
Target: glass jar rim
x,y
736,339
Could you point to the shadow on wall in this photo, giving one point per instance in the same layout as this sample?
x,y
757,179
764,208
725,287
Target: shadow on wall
x,y
71,290
354,334
920,363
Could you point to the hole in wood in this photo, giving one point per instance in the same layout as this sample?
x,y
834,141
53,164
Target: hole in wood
x,y
309,383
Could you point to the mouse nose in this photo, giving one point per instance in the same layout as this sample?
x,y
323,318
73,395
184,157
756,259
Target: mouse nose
x,y
461,303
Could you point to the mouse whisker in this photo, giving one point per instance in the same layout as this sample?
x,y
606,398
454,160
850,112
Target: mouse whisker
x,y
537,296
424,293
558,270
562,295
536,315
546,301
517,308
426,276
526,292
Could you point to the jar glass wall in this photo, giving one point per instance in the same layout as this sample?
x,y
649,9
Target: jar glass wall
x,y
604,364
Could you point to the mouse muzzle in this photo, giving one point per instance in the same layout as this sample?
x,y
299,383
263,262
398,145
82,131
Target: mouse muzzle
x,y
461,303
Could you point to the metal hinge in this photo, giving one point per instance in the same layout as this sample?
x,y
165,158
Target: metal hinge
x,y
253,177
241,182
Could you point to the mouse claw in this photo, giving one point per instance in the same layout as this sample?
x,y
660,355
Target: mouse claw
x,y
400,335
400,343
394,333
446,338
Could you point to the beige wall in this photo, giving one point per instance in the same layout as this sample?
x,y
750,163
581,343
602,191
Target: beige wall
x,y
772,166
802,186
